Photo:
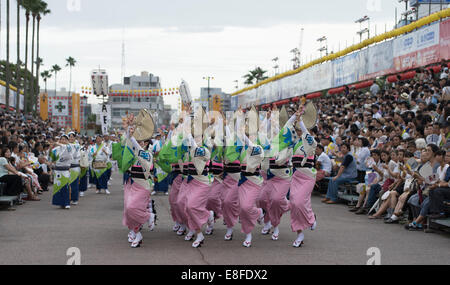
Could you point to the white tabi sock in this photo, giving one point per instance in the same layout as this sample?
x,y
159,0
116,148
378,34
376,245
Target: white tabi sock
x,y
276,231
300,237
248,238
229,231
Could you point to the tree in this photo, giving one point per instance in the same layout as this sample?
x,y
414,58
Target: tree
x,y
55,69
27,5
19,4
42,11
70,63
8,68
256,74
45,76
259,74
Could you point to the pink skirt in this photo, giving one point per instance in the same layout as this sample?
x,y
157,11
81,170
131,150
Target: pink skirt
x,y
136,201
173,196
302,215
181,203
264,199
214,199
249,213
278,204
230,207
196,199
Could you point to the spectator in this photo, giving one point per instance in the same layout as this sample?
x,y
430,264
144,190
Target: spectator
x,y
347,172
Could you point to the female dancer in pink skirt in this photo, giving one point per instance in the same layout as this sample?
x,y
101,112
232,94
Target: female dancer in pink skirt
x,y
198,187
303,181
138,187
214,204
251,181
279,178
250,190
232,175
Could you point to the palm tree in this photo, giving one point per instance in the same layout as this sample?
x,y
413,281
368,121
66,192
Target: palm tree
x,y
70,63
8,67
259,74
45,76
35,5
19,4
55,68
41,11
27,4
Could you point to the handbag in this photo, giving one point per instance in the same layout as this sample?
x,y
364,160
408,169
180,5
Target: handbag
x,y
99,164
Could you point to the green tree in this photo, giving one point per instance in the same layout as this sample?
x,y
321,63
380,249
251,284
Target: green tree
x,y
45,76
55,69
8,67
70,62
41,11
18,85
255,76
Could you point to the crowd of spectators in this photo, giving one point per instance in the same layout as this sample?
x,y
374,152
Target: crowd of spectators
x,y
375,136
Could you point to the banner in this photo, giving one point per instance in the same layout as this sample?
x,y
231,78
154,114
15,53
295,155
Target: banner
x,y
43,106
60,108
445,40
105,118
417,49
380,59
22,102
2,94
344,70
76,112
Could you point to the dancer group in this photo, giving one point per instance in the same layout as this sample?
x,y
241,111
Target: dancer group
x,y
77,162
242,169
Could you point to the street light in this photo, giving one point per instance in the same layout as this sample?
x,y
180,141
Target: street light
x,y
209,78
276,59
237,84
323,48
296,59
366,30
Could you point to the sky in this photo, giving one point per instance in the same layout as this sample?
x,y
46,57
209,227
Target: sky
x,y
192,39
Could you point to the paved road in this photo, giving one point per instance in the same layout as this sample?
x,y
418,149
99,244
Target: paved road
x,y
38,233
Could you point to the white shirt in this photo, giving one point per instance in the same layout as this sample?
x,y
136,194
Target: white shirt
x,y
325,162
441,172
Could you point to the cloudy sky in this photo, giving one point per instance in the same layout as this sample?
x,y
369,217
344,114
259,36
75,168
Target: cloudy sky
x,y
190,39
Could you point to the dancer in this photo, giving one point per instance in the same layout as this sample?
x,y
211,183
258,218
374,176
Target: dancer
x,y
138,185
232,175
250,183
75,170
61,155
108,146
279,178
198,186
303,181
84,168
214,204
100,156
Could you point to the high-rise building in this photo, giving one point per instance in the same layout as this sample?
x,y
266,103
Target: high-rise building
x,y
134,95
208,95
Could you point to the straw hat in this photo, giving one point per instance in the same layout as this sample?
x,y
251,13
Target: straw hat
x,y
144,126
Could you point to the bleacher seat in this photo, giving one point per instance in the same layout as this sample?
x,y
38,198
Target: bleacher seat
x,y
6,199
347,192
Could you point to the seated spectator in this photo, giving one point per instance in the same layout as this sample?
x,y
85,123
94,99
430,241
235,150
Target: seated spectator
x,y
347,172
12,177
323,164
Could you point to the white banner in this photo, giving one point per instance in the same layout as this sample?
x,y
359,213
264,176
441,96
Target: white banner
x,y
381,57
105,118
2,94
60,108
421,39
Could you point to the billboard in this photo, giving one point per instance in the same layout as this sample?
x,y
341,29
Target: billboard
x,y
417,49
444,44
